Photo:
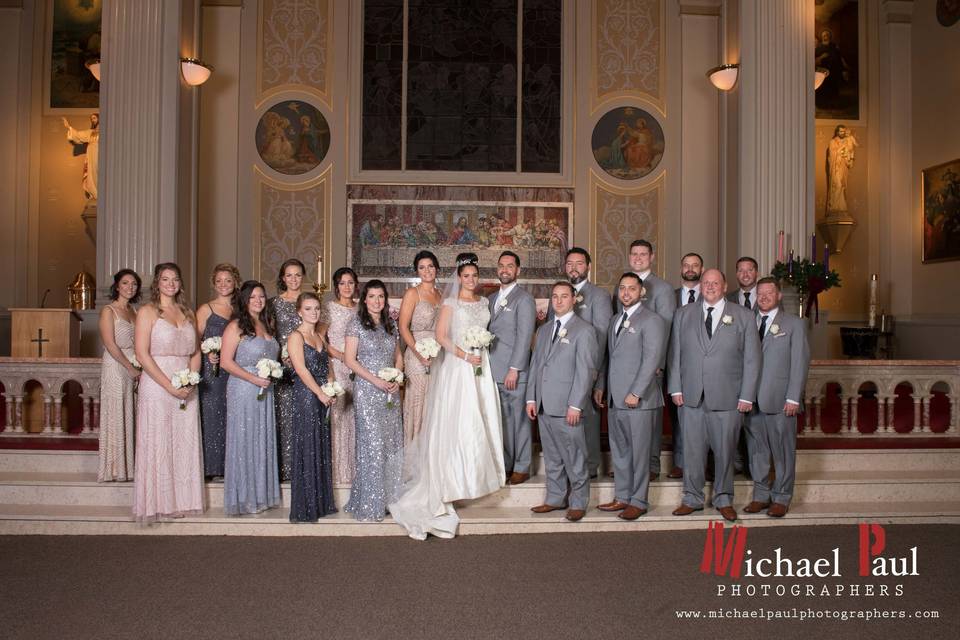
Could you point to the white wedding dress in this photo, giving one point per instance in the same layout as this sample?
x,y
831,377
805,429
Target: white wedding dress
x,y
458,454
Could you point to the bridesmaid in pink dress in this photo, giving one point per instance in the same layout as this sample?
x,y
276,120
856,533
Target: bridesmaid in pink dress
x,y
169,470
418,320
339,313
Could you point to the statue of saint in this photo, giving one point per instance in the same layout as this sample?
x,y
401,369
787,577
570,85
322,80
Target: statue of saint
x,y
840,155
91,139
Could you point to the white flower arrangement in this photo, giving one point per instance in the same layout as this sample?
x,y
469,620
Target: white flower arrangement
x,y
774,329
428,348
391,374
134,362
212,345
728,320
184,378
333,389
266,369
477,339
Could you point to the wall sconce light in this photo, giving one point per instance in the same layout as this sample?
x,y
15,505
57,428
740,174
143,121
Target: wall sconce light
x,y
819,75
724,77
93,66
195,71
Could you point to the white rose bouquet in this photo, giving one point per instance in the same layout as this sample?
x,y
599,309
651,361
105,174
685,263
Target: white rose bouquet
x,y
390,374
267,368
184,378
476,339
134,362
212,345
428,348
333,389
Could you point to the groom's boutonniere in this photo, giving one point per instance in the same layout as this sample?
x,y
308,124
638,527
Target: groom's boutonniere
x,y
727,320
774,329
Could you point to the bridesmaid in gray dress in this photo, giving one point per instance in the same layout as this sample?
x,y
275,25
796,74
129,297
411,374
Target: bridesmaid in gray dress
x,y
371,345
284,309
212,319
251,483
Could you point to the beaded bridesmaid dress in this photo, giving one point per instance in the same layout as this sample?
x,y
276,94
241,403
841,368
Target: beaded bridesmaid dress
x,y
422,325
213,403
117,408
341,415
311,479
287,319
169,469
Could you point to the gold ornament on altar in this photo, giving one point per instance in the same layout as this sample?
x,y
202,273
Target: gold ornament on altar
x,y
81,291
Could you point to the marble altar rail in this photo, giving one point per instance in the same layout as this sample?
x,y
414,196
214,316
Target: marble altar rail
x,y
52,374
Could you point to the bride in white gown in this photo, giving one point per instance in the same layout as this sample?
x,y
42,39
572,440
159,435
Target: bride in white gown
x,y
458,454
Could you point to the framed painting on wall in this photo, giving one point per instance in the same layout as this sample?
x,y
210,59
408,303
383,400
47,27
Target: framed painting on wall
x,y
941,212
292,137
385,235
837,28
72,42
628,143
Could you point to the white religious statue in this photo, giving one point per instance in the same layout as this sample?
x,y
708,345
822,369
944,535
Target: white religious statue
x,y
91,138
840,155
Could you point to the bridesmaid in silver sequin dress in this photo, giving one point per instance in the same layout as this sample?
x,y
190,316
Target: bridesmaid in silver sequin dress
x,y
251,483
284,307
340,312
418,318
212,319
371,345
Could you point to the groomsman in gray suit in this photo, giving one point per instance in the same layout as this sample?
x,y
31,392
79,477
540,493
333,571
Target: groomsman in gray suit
x,y
714,369
746,294
772,425
562,373
635,344
691,268
592,304
657,296
513,317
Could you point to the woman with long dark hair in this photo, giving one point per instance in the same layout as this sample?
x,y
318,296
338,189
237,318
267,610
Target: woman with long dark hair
x,y
340,313
251,481
169,468
418,318
372,345
283,307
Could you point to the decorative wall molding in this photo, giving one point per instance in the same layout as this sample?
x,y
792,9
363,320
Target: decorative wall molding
x,y
294,48
628,51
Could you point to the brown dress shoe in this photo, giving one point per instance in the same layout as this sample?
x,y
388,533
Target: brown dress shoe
x,y
575,515
631,513
616,505
546,508
519,478
756,507
728,513
675,473
777,510
684,510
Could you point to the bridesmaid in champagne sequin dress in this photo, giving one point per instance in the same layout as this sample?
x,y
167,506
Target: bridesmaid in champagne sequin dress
x,y
372,345
169,469
118,379
418,319
340,312
284,306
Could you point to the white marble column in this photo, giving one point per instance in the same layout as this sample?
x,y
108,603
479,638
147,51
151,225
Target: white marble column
x,y
142,145
775,127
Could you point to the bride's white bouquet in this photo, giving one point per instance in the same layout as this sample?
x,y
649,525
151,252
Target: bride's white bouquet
x,y
476,339
267,368
184,378
390,374
428,348
212,345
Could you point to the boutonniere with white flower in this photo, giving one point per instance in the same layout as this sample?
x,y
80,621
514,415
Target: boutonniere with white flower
x,y
579,298
562,333
502,302
626,324
774,329
728,320
643,293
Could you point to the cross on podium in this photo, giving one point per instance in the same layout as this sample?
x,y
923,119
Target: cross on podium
x,y
40,340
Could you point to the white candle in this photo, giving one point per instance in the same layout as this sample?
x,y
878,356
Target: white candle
x,y
874,294
319,269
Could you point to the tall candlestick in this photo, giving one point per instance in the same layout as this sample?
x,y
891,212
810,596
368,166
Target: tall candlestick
x,y
780,246
790,264
874,294
319,268
826,259
813,248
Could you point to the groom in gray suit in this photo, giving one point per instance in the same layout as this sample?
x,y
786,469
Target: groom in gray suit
x,y
772,425
635,345
591,303
714,368
513,316
562,374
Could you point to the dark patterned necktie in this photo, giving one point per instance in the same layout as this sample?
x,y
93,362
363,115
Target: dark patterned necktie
x,y
690,298
763,326
556,333
622,320
746,300
708,323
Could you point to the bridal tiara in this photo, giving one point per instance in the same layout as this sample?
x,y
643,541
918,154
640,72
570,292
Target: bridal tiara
x,y
466,260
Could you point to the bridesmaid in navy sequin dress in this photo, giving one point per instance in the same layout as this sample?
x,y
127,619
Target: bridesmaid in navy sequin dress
x,y
371,345
311,468
284,308
212,319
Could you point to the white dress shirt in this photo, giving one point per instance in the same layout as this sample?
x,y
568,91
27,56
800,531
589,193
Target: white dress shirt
x,y
685,294
717,313
629,311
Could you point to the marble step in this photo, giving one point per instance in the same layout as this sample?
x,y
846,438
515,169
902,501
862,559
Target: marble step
x,y
807,460
82,489
475,520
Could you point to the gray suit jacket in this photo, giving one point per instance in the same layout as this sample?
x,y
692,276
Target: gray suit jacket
x,y
594,308
632,360
719,370
659,298
513,325
786,359
562,373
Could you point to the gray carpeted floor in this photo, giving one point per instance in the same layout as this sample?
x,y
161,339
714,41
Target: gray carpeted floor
x,y
533,586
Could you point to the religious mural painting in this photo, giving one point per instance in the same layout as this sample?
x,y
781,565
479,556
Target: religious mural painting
x,y
837,26
73,42
293,137
941,212
628,143
385,235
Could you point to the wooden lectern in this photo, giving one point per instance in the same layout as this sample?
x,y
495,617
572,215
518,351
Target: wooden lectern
x,y
44,333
